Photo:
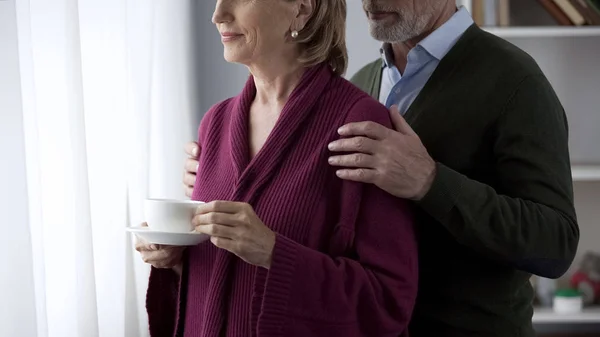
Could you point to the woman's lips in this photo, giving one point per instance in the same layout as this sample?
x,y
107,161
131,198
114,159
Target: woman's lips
x,y
227,37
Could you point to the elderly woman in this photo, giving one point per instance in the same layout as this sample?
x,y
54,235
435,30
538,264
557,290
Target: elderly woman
x,y
294,250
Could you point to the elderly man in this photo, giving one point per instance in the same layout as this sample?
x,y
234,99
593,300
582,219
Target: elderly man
x,y
480,146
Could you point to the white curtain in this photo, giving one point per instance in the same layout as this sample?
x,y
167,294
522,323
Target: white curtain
x,y
108,103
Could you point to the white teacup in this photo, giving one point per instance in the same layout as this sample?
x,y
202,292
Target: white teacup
x,y
173,216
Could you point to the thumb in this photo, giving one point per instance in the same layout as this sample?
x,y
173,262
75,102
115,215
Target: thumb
x,y
399,122
192,149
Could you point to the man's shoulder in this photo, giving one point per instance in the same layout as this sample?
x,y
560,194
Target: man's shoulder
x,y
362,78
367,69
503,56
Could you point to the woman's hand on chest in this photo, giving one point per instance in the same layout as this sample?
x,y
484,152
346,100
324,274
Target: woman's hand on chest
x,y
235,227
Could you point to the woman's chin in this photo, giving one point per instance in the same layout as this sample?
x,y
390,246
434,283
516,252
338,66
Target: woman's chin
x,y
233,57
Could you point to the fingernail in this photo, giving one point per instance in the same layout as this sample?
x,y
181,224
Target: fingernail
x,y
331,146
153,247
195,152
340,130
197,167
330,160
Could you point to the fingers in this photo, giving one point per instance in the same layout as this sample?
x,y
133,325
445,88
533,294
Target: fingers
x,y
221,207
189,190
360,175
164,258
189,180
191,165
368,129
227,219
221,231
354,144
189,176
224,243
159,256
357,160
399,122
192,149
143,246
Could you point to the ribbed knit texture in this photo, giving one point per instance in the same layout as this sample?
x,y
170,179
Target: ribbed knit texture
x,y
344,262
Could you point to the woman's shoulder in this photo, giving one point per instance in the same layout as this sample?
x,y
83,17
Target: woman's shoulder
x,y
215,116
361,107
220,109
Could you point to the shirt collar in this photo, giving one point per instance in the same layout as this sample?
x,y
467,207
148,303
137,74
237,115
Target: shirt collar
x,y
440,41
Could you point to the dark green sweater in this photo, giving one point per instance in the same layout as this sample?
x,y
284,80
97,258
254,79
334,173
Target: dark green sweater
x,y
501,206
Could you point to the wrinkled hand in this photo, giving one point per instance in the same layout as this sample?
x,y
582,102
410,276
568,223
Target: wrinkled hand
x,y
235,227
190,167
160,256
394,160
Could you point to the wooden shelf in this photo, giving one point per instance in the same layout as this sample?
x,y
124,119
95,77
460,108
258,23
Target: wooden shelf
x,y
549,31
586,173
548,316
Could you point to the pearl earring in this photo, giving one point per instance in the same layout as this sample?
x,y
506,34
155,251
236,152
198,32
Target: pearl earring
x,y
294,34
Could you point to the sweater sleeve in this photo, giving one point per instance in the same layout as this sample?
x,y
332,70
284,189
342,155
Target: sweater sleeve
x,y
368,292
163,302
529,220
370,295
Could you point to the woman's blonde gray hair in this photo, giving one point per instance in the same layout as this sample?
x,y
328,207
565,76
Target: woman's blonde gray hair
x,y
323,39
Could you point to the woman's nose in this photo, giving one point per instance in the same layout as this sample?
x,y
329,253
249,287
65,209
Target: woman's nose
x,y
222,13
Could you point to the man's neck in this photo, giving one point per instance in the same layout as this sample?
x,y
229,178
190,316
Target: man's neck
x,y
401,49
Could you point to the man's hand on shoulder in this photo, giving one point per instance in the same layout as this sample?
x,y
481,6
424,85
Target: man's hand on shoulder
x,y
190,168
394,160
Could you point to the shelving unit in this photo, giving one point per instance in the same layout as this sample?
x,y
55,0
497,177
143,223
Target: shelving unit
x,y
544,32
586,173
589,315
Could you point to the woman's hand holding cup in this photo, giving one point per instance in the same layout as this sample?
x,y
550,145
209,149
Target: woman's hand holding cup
x,y
160,256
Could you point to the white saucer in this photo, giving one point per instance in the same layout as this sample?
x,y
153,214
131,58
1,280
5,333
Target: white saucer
x,y
168,238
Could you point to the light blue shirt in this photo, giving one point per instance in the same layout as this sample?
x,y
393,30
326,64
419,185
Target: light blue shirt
x,y
402,89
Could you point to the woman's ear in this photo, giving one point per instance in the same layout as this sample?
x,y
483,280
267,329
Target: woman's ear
x,y
306,9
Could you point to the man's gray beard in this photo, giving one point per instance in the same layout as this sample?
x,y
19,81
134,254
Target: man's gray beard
x,y
399,31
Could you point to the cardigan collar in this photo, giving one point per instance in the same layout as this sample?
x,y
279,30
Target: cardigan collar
x,y
253,173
